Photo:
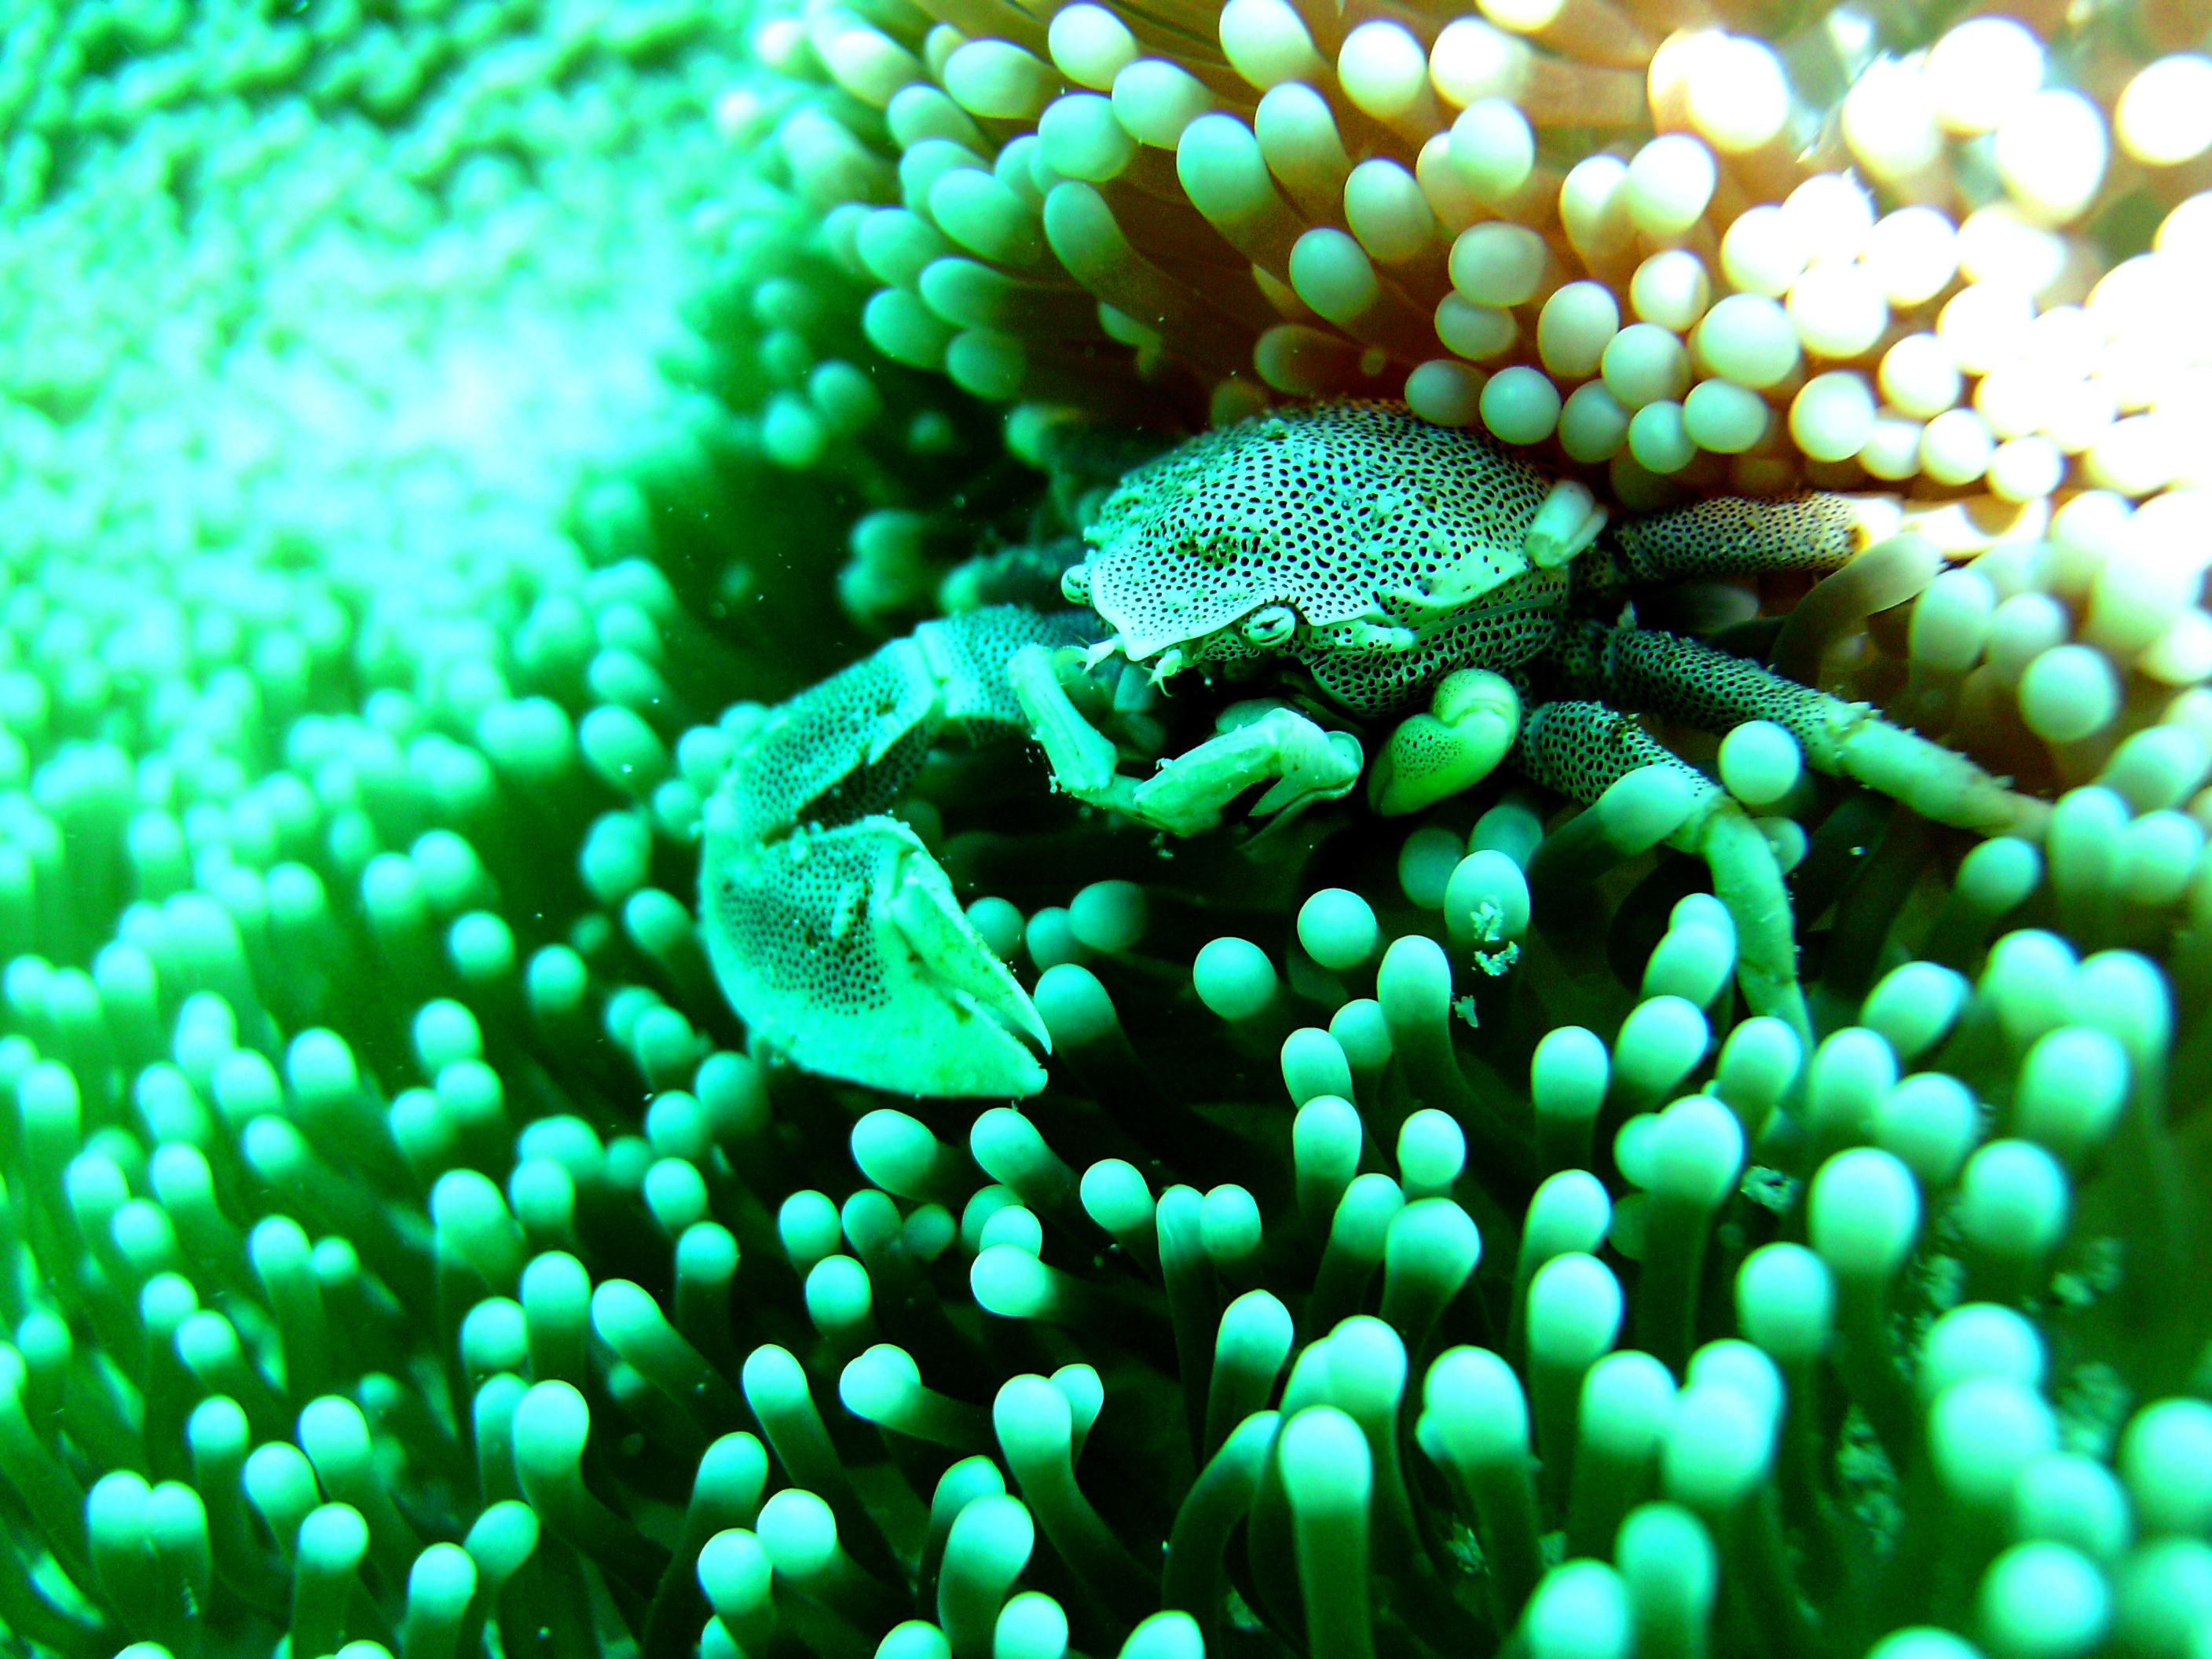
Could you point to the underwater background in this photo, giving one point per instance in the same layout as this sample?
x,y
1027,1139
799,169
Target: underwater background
x,y
433,436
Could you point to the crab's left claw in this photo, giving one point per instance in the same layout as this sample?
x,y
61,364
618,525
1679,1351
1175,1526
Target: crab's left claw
x,y
851,957
1569,520
1469,728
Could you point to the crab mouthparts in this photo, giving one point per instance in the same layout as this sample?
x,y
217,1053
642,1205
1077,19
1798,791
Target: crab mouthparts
x,y
1167,663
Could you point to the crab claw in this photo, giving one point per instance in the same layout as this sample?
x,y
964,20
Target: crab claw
x,y
1469,726
1569,520
848,956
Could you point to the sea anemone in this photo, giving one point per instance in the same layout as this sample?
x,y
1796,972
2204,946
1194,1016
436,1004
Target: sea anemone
x,y
429,428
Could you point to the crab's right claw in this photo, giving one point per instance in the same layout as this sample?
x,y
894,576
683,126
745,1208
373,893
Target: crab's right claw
x,y
846,953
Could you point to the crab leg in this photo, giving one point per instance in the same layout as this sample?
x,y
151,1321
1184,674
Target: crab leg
x,y
1582,748
1278,745
1697,685
1740,536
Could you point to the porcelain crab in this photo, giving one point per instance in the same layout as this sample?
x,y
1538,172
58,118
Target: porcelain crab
x,y
1373,562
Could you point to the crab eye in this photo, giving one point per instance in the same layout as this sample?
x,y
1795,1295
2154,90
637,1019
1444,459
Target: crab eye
x,y
1270,625
1075,584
